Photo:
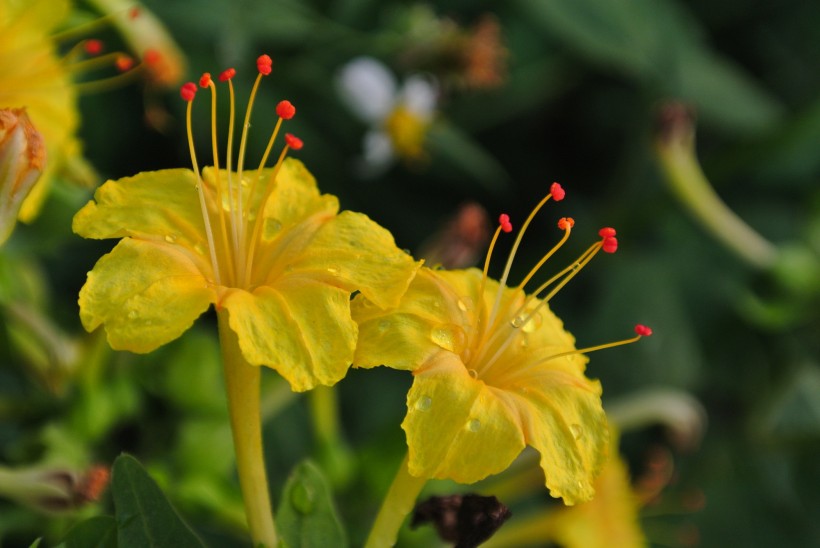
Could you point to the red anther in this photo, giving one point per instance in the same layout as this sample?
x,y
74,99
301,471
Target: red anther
x,y
263,64
93,46
124,63
504,221
565,223
188,91
606,232
285,110
293,142
151,56
643,330
205,80
134,12
557,192
227,74
610,244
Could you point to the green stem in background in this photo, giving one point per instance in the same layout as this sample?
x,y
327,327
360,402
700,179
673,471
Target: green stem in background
x,y
675,149
242,381
398,503
333,452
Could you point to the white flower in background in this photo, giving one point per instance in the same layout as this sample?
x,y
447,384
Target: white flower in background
x,y
399,117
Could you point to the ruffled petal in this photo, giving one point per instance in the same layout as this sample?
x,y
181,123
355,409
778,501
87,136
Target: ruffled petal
x,y
353,252
145,293
457,427
427,320
301,328
562,417
159,205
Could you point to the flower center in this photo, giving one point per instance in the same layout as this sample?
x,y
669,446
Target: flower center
x,y
406,130
505,322
233,226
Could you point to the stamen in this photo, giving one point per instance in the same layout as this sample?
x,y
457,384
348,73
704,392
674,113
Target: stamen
x,y
124,63
226,76
565,224
504,225
206,81
559,195
640,332
295,143
286,111
188,92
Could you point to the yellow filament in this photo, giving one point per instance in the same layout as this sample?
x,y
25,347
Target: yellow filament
x,y
229,161
589,349
199,184
111,82
257,224
544,259
93,63
480,307
84,29
505,275
262,163
229,253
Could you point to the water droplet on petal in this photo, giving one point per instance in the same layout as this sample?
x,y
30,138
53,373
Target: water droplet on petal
x,y
462,305
302,498
474,425
274,225
576,430
517,322
424,403
170,238
449,337
524,343
199,248
473,373
333,271
132,315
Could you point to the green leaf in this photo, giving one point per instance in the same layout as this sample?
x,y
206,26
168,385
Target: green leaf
x,y
145,518
96,532
306,517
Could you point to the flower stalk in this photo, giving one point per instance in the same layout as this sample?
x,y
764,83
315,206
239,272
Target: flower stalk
x,y
675,149
242,382
398,503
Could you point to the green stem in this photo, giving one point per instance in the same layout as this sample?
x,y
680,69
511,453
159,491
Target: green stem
x,y
396,506
242,382
675,148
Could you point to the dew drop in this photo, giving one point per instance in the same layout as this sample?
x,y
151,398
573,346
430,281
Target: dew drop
x,y
199,249
170,239
449,337
462,305
132,315
576,430
517,322
274,225
524,343
333,271
424,403
473,373
474,425
302,497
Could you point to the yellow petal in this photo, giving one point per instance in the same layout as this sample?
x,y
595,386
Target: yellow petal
x,y
353,252
160,205
457,427
563,419
301,328
145,293
408,335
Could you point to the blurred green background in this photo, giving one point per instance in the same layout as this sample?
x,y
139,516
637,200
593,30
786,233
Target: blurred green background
x,y
579,86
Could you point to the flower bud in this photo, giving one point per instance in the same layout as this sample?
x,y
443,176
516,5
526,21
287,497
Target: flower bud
x,y
22,159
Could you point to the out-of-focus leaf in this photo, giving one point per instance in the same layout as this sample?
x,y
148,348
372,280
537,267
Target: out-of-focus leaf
x,y
794,412
193,375
144,516
450,146
306,517
96,532
658,43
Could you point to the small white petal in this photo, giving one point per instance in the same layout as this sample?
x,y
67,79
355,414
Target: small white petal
x,y
377,156
420,95
368,88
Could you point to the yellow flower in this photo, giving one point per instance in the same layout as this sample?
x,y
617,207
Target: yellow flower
x,y
276,256
32,76
494,370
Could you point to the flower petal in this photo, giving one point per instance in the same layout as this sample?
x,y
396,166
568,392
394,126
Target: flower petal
x,y
563,419
402,338
160,205
300,327
457,428
368,88
353,252
146,294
